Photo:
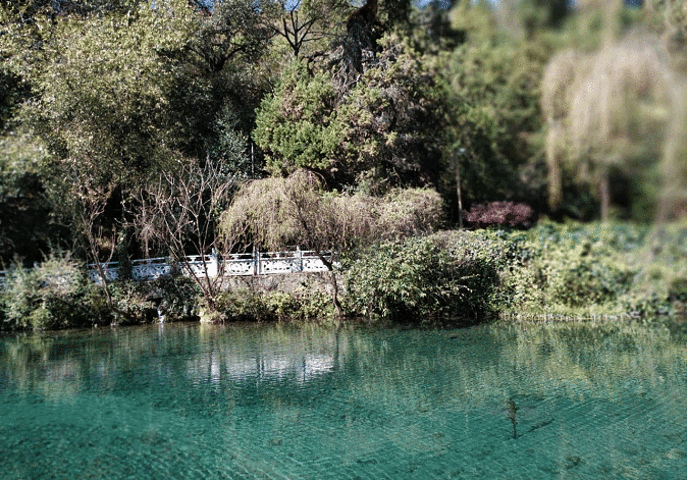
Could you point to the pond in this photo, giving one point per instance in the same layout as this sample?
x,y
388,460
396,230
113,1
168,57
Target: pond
x,y
187,401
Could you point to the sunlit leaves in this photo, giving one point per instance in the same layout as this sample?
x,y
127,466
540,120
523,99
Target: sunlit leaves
x,y
104,89
295,124
389,124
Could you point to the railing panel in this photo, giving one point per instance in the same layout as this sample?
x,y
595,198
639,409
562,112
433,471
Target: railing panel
x,y
266,263
238,267
278,265
313,264
110,272
154,271
270,263
200,266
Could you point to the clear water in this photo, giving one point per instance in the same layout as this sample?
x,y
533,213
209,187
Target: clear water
x,y
191,401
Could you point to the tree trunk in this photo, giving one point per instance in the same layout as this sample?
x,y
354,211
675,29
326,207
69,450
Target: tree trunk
x,y
458,190
554,185
604,196
104,285
335,286
335,296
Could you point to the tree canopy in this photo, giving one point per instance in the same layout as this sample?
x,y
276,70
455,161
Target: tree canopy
x,y
470,99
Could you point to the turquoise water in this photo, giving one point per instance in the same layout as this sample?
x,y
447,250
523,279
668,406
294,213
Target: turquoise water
x,y
269,402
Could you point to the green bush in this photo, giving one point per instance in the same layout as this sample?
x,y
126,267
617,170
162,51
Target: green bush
x,y
579,269
242,305
58,294
585,281
179,297
417,279
275,306
49,296
130,303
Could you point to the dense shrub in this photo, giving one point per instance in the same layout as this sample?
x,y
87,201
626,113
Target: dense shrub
x,y
58,294
52,295
275,306
595,268
416,279
405,212
581,269
571,269
583,281
178,297
130,304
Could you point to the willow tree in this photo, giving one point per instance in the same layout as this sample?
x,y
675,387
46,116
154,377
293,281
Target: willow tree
x,y
608,109
297,210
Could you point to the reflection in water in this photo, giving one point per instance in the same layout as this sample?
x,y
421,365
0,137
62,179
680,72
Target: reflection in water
x,y
248,401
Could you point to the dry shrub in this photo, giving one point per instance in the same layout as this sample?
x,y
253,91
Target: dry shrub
x,y
296,210
277,212
408,212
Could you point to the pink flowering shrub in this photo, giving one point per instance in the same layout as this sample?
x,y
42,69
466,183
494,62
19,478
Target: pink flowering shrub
x,y
501,214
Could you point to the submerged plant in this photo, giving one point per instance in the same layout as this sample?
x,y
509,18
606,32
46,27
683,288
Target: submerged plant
x,y
513,409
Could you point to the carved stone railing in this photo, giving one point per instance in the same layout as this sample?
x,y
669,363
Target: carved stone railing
x,y
260,263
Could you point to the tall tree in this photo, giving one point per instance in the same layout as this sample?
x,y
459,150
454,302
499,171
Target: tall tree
x,y
493,82
381,124
308,26
234,29
104,89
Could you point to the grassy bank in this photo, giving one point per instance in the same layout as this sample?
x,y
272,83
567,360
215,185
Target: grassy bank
x,y
555,271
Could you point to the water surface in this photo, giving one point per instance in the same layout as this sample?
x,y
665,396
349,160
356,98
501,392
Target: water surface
x,y
272,402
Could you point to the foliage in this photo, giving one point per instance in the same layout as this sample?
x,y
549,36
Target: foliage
x,y
616,110
296,210
417,278
383,126
52,295
396,118
273,213
493,82
235,29
229,146
179,211
23,205
306,26
106,105
179,296
103,92
58,294
129,303
276,306
295,125
577,269
406,212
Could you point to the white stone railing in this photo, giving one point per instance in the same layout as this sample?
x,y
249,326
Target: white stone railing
x,y
265,263
261,263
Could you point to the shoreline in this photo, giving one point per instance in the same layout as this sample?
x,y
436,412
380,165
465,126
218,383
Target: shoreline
x,y
581,271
